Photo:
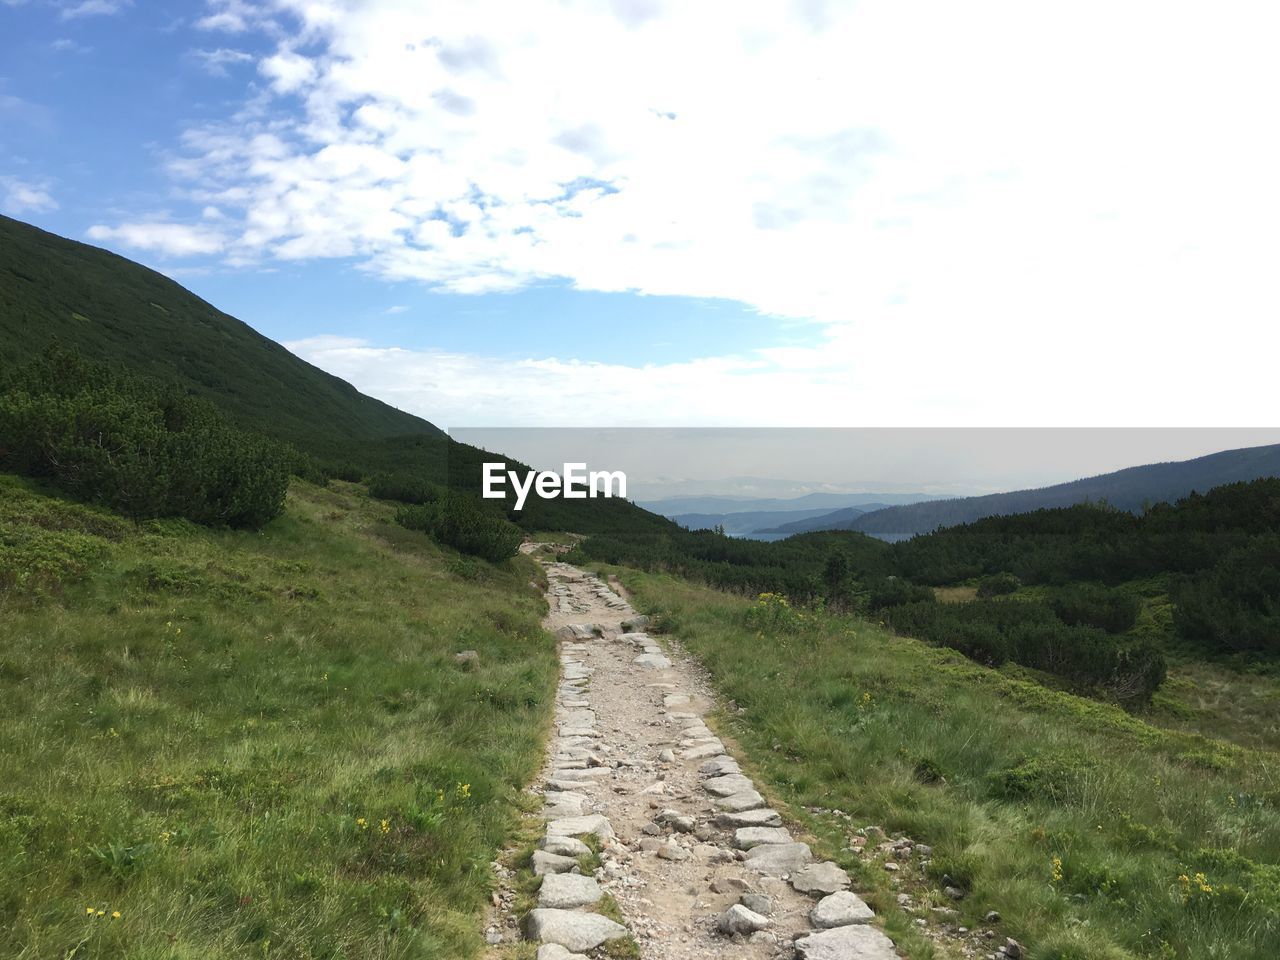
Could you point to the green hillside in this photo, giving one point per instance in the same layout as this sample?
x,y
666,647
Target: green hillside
x,y
110,308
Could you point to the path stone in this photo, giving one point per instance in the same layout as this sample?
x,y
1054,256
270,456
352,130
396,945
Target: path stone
x,y
854,942
577,826
738,919
779,859
705,750
553,951
719,765
759,817
821,878
839,910
563,891
545,863
571,929
653,661
727,785
746,838
564,846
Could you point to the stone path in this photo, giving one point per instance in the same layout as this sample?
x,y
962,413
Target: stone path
x,y
697,863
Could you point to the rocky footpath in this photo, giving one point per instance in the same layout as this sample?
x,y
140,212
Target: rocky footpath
x,y
690,857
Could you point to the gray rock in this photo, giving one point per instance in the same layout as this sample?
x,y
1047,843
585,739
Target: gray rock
x,y
738,802
854,942
744,838
777,859
738,919
577,826
564,891
545,863
571,929
730,885
675,700
708,749
673,851
757,903
578,718
564,846
839,910
759,817
652,661
820,878
667,756
728,785
718,766
553,951
633,624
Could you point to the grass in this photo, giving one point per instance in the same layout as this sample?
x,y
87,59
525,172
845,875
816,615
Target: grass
x,y
1094,834
256,745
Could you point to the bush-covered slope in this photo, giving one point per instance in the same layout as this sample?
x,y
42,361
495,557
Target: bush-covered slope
x,y
110,308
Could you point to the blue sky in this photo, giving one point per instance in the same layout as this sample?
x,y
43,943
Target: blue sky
x,y
639,212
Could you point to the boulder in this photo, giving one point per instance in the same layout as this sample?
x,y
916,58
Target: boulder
x,y
854,942
571,929
778,859
839,910
738,919
564,891
821,878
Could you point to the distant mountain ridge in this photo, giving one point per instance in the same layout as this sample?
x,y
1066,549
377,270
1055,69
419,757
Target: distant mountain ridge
x,y
721,504
752,521
1129,489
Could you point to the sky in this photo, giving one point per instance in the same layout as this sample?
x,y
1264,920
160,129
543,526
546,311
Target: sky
x,y
662,214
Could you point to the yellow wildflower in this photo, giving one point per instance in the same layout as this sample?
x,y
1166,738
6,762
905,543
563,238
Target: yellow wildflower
x,y
385,826
115,914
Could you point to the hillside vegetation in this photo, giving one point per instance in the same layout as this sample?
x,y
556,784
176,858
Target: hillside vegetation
x,y
229,744
1094,835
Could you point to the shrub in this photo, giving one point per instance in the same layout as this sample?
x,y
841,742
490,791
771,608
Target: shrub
x,y
403,488
1234,607
460,522
998,585
139,446
894,592
1092,606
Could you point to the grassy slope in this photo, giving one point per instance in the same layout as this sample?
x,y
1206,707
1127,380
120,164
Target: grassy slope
x,y
111,308
192,733
837,713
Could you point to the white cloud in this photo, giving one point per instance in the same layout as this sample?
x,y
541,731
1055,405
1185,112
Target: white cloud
x,y
962,194
232,16
18,196
170,239
93,8
845,381
215,62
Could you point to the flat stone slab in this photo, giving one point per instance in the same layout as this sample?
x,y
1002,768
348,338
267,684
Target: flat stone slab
x,y
545,863
840,909
703,750
564,846
553,951
719,766
854,942
578,718
675,700
759,817
738,802
820,878
652,661
571,929
778,859
577,826
555,811
727,785
746,838
586,773
562,785
564,891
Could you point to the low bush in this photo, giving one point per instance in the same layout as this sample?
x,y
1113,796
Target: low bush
x,y
1087,605
998,585
139,446
460,522
1234,607
894,592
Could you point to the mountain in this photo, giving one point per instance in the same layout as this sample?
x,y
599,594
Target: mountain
x,y
835,520
751,521
1129,489
721,505
110,308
